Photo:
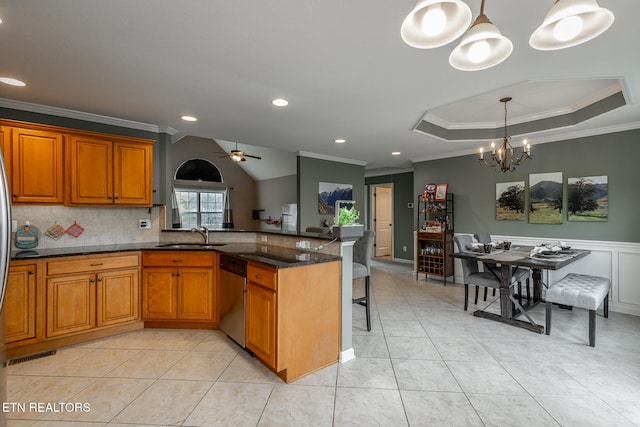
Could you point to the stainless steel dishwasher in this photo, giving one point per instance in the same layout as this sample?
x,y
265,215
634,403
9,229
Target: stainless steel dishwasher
x,y
233,292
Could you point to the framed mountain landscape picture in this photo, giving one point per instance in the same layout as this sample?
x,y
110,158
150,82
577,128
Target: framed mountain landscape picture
x,y
329,192
545,198
588,198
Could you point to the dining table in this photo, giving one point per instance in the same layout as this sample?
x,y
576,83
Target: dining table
x,y
509,261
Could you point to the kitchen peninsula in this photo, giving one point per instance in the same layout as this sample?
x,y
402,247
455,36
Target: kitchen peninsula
x,y
293,319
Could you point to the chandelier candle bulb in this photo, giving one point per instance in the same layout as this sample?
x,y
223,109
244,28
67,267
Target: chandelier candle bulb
x,y
481,153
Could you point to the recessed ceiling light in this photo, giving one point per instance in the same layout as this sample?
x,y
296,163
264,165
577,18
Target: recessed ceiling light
x,y
12,82
395,153
280,102
189,118
340,141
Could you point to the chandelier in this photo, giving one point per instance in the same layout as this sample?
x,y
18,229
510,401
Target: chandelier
x,y
503,159
434,23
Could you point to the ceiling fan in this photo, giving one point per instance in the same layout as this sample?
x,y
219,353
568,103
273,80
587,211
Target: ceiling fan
x,y
239,155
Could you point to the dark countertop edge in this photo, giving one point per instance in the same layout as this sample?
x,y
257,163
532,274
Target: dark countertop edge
x,y
275,232
32,254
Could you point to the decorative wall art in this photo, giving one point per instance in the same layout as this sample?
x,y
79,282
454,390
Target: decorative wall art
x,y
441,192
545,198
329,192
588,198
510,201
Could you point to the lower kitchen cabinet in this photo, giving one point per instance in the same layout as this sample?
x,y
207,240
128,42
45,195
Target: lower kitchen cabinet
x,y
83,293
71,304
20,303
293,317
261,323
178,286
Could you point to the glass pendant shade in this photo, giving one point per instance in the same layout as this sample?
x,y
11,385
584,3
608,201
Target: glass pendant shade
x,y
570,23
483,46
434,23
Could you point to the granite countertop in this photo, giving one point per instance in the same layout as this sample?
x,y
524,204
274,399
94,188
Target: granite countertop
x,y
272,256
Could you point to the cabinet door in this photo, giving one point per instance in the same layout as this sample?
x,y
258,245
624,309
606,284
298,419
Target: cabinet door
x,y
5,147
37,166
20,303
117,297
195,293
90,170
159,299
132,174
71,302
261,323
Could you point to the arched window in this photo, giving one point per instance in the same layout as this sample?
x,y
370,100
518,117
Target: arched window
x,y
198,196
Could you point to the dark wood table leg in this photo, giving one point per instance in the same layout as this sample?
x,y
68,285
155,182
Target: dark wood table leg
x,y
536,274
506,308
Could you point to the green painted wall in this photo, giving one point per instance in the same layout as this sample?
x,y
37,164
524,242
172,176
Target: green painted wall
x,y
403,220
311,171
615,155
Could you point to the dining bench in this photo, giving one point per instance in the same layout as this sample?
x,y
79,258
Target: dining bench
x,y
579,290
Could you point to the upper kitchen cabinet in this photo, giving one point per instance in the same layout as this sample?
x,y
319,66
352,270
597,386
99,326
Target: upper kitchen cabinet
x,y
109,171
5,148
37,166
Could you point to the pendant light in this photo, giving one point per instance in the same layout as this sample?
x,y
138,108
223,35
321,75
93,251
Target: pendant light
x,y
570,23
483,46
434,23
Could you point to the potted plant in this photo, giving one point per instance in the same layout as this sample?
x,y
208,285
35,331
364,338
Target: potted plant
x,y
347,226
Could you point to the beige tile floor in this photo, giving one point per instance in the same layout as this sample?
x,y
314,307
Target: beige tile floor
x,y
425,362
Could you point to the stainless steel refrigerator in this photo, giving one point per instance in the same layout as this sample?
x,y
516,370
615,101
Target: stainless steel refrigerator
x,y
5,251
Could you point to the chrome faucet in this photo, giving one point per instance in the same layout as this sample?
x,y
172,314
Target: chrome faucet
x,y
204,232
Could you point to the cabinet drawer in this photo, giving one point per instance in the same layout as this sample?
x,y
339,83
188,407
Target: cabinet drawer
x,y
262,276
81,264
177,258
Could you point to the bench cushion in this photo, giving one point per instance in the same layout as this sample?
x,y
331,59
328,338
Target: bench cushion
x,y
579,290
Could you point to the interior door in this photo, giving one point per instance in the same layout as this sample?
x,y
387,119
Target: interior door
x,y
383,213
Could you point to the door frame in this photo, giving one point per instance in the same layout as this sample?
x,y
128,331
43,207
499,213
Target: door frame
x,y
372,211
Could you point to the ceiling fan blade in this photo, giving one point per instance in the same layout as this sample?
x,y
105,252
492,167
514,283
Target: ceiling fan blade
x,y
253,157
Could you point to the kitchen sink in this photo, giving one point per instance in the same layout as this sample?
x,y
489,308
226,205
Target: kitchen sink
x,y
190,245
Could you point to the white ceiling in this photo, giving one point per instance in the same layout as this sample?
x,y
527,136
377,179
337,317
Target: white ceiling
x,y
341,64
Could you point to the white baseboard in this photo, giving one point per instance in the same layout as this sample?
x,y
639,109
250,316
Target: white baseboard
x,y
347,355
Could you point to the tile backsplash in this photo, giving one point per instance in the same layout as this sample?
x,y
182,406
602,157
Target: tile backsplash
x,y
101,225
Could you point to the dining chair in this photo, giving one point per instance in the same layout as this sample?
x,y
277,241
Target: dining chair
x,y
520,273
362,252
472,274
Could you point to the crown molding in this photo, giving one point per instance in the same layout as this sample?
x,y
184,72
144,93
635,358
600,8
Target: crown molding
x,y
542,140
330,158
89,117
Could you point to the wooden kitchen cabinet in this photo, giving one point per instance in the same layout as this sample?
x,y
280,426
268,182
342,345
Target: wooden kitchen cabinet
x,y
83,293
5,147
178,286
260,334
20,303
118,296
37,166
104,171
71,304
293,317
